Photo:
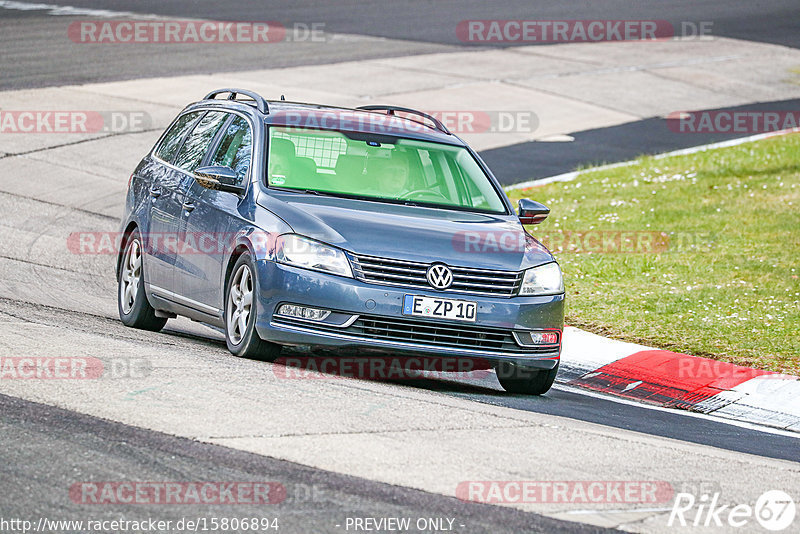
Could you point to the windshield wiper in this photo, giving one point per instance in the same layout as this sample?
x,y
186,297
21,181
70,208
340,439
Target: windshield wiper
x,y
401,202
306,191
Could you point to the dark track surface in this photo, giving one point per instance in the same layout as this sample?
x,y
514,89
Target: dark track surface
x,y
37,51
45,450
530,161
774,21
671,424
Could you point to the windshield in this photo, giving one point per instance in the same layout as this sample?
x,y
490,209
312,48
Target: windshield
x,y
379,167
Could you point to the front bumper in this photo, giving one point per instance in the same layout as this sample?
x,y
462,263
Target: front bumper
x,y
365,309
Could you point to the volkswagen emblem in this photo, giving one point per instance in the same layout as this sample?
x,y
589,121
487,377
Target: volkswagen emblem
x,y
440,276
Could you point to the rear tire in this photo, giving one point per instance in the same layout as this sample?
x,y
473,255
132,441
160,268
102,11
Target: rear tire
x,y
134,309
527,381
241,310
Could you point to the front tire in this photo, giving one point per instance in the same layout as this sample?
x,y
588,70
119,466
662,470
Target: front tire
x,y
516,379
241,310
134,309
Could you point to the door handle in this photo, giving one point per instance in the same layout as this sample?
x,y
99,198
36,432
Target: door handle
x,y
155,192
188,206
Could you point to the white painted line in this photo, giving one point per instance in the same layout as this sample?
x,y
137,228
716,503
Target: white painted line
x,y
57,10
569,176
629,511
707,417
71,11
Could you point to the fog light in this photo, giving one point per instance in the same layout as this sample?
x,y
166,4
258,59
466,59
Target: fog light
x,y
533,339
544,338
303,312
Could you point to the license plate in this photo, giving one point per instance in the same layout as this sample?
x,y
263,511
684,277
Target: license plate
x,y
457,310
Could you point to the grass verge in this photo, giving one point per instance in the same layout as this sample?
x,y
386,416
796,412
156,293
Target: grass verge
x,y
696,254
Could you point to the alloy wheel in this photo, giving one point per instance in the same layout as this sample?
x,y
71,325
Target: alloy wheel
x,y
240,301
131,276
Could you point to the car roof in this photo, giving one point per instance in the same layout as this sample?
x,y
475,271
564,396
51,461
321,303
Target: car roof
x,y
379,121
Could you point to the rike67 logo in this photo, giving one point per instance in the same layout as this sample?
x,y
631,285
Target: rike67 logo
x,y
775,510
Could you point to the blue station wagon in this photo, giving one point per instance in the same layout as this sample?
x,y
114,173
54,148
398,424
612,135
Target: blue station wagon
x,y
368,230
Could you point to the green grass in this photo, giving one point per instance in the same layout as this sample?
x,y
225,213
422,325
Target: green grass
x,y
722,284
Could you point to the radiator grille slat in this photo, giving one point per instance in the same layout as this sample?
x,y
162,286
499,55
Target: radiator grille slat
x,y
388,271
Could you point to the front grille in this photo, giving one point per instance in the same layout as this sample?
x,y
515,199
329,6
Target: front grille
x,y
428,333
402,273
424,333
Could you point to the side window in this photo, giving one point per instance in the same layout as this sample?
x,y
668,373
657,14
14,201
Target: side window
x,y
234,149
196,145
171,142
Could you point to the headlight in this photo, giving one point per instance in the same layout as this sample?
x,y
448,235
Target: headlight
x,y
300,251
543,280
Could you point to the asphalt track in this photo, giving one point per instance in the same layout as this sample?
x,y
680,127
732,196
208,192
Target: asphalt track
x,y
623,142
45,449
34,435
36,53
566,402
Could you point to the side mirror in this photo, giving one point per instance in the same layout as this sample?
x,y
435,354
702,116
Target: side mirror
x,y
532,212
219,178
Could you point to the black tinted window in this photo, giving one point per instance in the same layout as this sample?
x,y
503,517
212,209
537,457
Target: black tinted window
x,y
171,142
196,145
234,148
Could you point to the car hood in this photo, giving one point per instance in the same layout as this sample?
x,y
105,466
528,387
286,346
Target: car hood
x,y
409,232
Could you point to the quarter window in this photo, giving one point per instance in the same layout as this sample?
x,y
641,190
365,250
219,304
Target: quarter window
x,y
172,141
196,145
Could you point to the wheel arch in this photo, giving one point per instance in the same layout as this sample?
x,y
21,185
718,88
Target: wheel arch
x,y
129,229
258,243
238,250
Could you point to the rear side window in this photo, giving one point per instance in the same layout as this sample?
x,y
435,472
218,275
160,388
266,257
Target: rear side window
x,y
234,149
196,145
172,141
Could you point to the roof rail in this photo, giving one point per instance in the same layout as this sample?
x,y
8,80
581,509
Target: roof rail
x,y
261,104
391,109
